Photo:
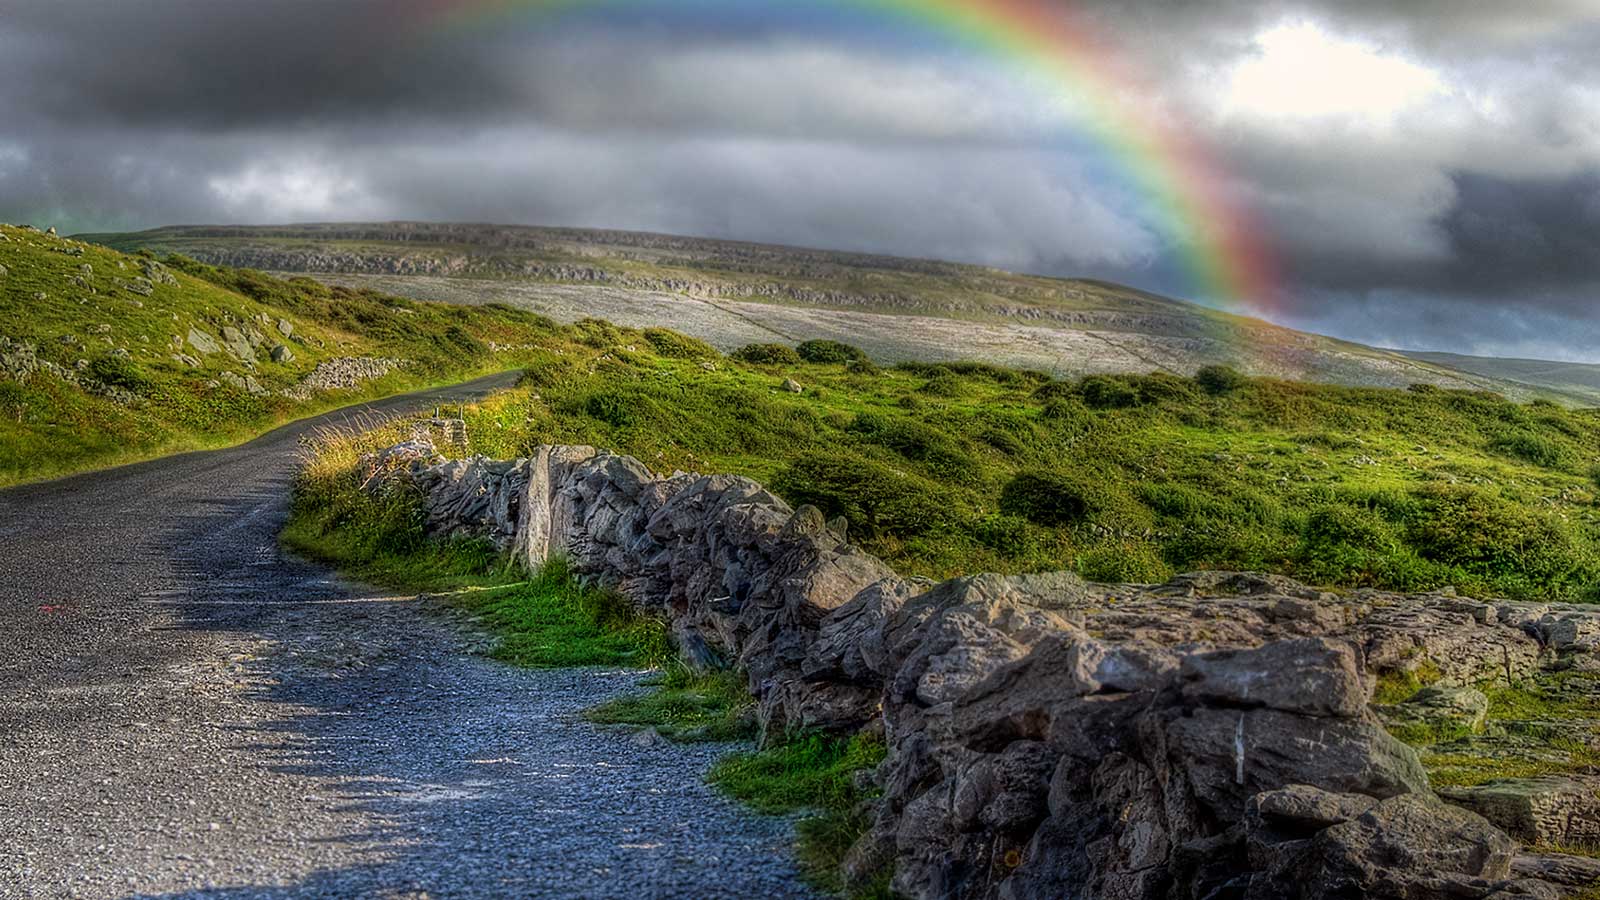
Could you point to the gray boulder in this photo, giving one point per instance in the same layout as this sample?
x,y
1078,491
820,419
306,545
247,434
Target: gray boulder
x,y
204,344
1444,709
238,345
280,353
1552,810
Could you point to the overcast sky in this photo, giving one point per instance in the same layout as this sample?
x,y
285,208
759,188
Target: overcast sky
x,y
1427,173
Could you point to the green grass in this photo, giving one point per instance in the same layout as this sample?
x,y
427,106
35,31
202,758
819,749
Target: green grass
x,y
814,775
1398,685
88,321
553,621
686,706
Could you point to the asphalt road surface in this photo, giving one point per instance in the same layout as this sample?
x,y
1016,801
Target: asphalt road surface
x,y
187,713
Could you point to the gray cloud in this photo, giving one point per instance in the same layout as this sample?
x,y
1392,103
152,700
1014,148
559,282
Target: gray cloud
x,y
1459,215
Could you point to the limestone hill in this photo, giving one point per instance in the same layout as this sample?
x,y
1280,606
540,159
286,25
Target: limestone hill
x,y
732,293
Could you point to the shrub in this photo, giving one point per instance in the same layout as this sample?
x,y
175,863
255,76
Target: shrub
x,y
862,366
597,333
119,372
459,343
1331,526
1540,451
1219,380
612,408
1006,535
876,499
13,401
1055,390
940,451
673,345
1159,386
1124,563
1051,499
767,355
823,351
942,384
1498,541
1105,392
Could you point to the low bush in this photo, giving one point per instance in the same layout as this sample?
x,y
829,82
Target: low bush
x,y
1217,380
1051,499
767,355
1105,392
876,499
673,345
119,372
823,351
1541,451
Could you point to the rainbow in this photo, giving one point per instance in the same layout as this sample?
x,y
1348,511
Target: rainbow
x,y
1184,190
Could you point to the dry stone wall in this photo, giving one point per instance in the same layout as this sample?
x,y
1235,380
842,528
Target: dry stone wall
x,y
1212,737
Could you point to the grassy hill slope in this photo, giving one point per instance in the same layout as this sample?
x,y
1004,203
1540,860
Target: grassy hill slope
x,y
947,469
108,358
731,293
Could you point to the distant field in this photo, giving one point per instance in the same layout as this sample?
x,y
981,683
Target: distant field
x,y
730,293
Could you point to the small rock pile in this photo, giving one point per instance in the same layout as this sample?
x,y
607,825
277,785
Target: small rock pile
x,y
342,373
1048,737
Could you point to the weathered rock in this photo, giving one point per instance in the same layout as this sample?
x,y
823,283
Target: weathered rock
x,y
1551,810
1572,631
140,286
1313,676
246,383
203,344
1558,868
282,354
1442,708
156,273
286,328
792,386
237,345
1402,848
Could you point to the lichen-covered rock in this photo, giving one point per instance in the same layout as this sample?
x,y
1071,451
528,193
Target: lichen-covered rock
x,y
1440,708
203,344
1560,811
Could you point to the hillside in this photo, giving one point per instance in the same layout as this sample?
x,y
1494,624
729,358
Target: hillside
x,y
948,469
1578,381
731,293
106,357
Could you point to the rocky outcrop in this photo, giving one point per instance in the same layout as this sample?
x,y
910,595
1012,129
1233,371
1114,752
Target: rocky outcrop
x,y
1552,810
1050,737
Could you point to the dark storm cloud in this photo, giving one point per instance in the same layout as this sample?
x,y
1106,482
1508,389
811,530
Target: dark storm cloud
x,y
1403,221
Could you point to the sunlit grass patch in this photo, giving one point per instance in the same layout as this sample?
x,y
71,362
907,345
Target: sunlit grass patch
x,y
686,706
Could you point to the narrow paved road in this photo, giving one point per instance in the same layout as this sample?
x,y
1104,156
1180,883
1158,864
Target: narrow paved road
x,y
184,712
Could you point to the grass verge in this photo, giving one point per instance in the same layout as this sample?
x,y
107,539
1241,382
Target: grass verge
x,y
817,776
686,706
